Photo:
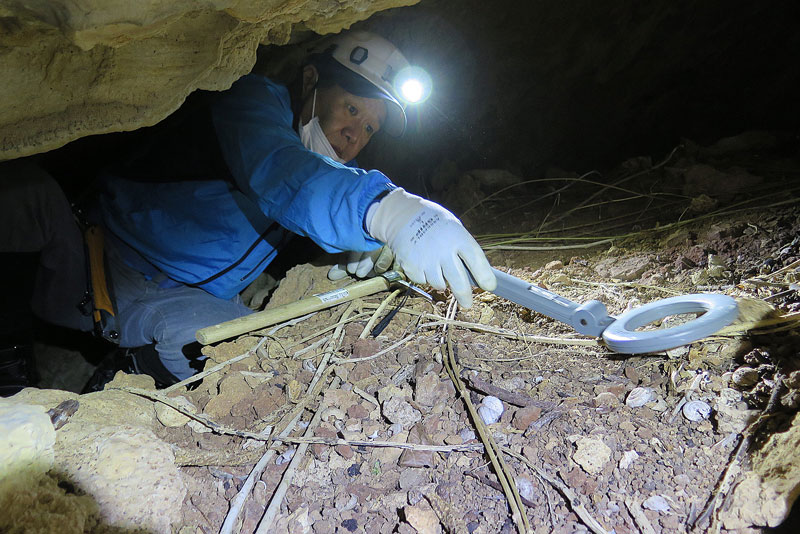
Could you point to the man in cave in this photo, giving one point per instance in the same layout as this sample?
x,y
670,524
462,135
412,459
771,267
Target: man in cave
x,y
207,200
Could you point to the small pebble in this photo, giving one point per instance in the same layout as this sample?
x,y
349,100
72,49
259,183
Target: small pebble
x,y
628,457
350,524
354,470
466,435
696,410
638,397
744,377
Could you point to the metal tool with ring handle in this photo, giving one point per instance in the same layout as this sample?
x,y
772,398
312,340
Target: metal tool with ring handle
x,y
619,333
590,318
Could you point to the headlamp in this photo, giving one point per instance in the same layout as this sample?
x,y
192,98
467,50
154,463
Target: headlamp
x,y
413,85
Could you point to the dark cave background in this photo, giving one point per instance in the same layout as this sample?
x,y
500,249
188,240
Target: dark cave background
x,y
579,85
584,85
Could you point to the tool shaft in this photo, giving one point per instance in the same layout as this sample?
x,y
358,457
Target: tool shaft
x,y
262,319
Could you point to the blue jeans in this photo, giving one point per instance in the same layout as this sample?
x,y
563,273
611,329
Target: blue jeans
x,y
35,216
168,317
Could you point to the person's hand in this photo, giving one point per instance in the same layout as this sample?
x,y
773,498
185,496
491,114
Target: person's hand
x,y
363,264
430,244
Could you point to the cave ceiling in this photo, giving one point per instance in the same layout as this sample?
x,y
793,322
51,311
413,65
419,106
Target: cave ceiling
x,y
73,69
517,85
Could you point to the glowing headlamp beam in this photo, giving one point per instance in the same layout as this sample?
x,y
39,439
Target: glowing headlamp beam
x,y
412,90
413,84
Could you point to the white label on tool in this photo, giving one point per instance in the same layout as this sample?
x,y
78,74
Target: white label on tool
x,y
333,296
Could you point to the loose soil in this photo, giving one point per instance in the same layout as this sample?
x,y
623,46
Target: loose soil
x,y
634,467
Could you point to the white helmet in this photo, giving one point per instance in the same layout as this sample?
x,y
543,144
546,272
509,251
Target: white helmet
x,y
378,61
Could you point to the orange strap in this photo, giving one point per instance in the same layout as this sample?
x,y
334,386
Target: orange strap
x,y
102,299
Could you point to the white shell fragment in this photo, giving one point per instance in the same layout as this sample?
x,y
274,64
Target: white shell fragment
x,y
638,397
628,457
285,457
657,503
696,410
490,409
525,488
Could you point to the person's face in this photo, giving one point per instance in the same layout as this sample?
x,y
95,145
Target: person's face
x,y
348,121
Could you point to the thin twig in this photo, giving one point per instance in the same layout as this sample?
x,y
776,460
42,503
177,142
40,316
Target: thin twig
x,y
615,185
326,329
255,475
200,418
379,353
333,442
514,335
552,247
322,371
638,516
311,347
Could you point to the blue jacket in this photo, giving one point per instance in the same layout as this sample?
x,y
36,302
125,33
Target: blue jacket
x,y
219,229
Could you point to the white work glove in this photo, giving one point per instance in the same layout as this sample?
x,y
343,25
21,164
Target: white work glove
x,y
430,244
363,264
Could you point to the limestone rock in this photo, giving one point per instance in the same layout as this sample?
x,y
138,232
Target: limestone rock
x,y
26,440
399,411
36,503
72,69
232,390
626,268
171,417
766,494
422,518
129,472
591,454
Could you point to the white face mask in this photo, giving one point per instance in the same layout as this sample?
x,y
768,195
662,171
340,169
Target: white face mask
x,y
314,139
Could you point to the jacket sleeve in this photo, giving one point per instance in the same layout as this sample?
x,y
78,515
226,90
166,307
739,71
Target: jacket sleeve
x,y
304,192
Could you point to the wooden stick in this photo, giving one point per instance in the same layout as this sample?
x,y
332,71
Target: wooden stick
x,y
202,375
333,442
379,353
638,516
513,335
255,475
517,399
322,371
254,321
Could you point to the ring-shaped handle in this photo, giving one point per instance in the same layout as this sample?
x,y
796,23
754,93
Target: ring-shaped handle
x,y
620,336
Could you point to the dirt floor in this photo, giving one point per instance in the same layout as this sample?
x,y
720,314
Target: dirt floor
x,y
700,438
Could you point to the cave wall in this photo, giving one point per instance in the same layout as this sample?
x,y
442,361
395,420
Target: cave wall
x,y
72,69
